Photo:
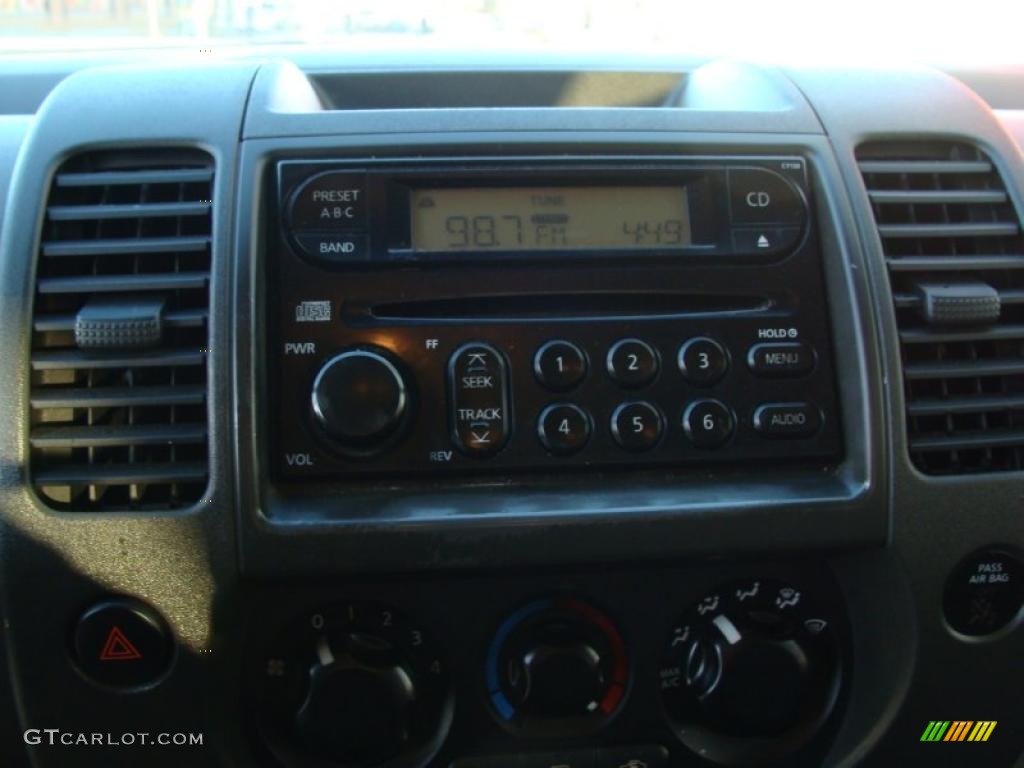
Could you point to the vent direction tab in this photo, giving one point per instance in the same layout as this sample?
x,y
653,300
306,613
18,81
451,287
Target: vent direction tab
x,y
119,323
967,303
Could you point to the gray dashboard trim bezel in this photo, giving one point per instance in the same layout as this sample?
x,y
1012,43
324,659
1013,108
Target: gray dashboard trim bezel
x,y
533,520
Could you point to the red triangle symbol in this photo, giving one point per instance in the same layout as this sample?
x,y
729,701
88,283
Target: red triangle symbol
x,y
118,647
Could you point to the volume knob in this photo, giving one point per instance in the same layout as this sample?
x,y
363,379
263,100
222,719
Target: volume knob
x,y
360,400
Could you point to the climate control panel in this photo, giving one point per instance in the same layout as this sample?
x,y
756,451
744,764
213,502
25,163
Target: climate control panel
x,y
740,664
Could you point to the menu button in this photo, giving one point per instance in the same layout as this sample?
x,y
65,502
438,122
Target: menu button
x,y
781,359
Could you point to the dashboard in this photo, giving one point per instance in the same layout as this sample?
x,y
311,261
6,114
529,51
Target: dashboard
x,y
501,413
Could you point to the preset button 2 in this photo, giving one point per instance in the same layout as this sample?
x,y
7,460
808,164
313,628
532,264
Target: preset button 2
x,y
478,399
632,363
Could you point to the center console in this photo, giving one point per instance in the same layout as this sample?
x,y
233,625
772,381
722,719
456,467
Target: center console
x,y
499,321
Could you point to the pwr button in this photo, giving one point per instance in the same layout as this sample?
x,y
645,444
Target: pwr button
x,y
122,644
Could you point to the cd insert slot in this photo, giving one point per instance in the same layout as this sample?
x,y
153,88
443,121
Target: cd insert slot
x,y
562,306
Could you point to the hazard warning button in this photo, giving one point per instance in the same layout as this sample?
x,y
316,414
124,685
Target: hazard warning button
x,y
122,644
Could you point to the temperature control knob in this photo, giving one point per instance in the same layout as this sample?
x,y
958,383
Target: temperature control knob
x,y
557,661
360,400
750,672
355,685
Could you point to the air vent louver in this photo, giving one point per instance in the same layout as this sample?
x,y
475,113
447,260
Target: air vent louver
x,y
120,333
955,254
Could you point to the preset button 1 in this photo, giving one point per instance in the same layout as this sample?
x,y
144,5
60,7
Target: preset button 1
x,y
560,365
478,399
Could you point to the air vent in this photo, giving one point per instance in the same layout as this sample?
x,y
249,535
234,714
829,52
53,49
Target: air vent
x,y
955,254
120,333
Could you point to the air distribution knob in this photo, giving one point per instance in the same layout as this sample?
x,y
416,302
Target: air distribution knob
x,y
751,672
749,681
360,400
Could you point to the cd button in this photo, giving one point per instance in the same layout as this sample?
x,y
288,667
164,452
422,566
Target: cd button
x,y
747,240
563,428
560,365
339,249
632,363
330,201
762,197
787,420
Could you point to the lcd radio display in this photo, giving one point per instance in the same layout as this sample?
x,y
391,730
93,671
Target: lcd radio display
x,y
549,218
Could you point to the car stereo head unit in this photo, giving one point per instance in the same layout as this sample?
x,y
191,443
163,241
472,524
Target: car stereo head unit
x,y
480,315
